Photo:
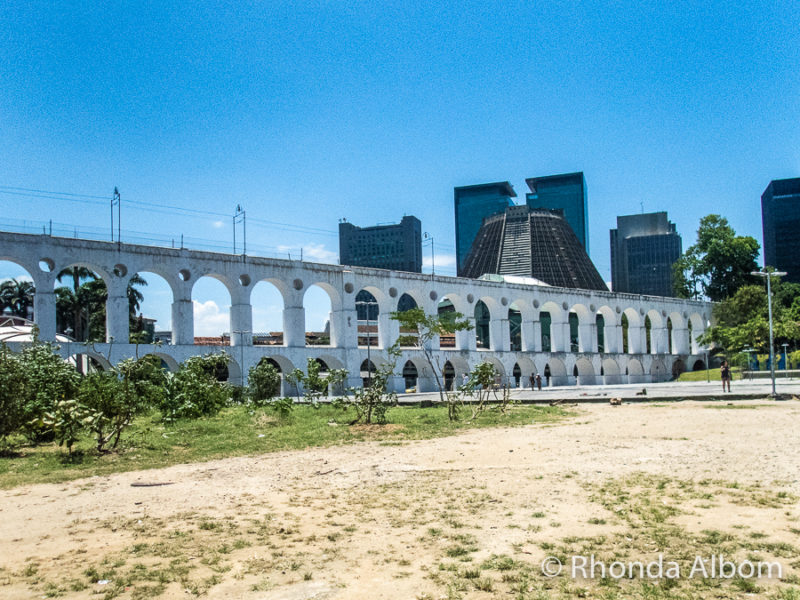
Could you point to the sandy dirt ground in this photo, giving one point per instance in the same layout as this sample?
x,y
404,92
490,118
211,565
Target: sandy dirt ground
x,y
468,516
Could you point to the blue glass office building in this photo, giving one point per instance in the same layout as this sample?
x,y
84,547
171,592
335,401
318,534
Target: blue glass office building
x,y
566,192
473,203
780,220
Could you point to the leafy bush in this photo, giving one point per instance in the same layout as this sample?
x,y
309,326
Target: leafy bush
x,y
264,381
194,390
372,402
50,379
67,420
315,384
13,389
282,406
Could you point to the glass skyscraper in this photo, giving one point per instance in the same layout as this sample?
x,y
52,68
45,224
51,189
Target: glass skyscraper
x,y
643,249
565,192
780,220
473,203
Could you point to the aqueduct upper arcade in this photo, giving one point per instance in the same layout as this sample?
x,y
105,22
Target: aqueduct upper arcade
x,y
563,334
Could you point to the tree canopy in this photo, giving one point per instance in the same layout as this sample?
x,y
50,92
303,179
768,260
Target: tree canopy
x,y
718,264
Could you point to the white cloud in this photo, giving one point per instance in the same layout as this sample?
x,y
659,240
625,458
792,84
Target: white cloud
x,y
209,320
218,224
442,260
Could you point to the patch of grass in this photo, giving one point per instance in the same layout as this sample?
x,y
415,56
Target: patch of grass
x,y
710,375
235,431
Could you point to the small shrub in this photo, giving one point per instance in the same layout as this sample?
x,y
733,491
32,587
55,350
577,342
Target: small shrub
x,y
264,381
194,390
13,389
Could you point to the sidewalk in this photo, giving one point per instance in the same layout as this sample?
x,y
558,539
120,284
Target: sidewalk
x,y
670,390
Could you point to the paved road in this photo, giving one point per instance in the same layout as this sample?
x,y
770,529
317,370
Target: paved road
x,y
670,390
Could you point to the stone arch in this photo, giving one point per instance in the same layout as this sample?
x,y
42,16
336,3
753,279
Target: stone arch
x,y
696,325
516,375
371,312
527,366
88,361
585,371
318,311
632,331
158,294
654,332
555,372
552,320
699,365
483,326
167,361
581,322
410,375
458,366
611,371
17,271
407,336
408,300
267,299
83,321
211,321
635,371
610,332
514,327
678,367
658,370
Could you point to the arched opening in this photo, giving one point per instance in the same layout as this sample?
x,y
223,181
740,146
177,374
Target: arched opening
x,y
367,372
81,296
410,376
545,321
547,375
575,371
648,327
610,371
658,370
699,365
317,307
625,331
87,363
584,371
16,291
211,301
516,373
574,322
635,371
408,335
678,367
449,375
515,328
482,329
267,306
150,301
447,310
368,312
556,372
669,335
600,325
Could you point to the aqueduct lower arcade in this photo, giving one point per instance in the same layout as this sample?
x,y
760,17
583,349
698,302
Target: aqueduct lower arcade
x,y
568,336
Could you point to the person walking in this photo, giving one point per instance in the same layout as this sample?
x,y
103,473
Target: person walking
x,y
539,382
532,379
725,375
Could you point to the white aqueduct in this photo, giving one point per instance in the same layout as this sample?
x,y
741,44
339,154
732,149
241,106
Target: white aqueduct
x,y
661,332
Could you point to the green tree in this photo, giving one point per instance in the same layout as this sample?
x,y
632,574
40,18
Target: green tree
x,y
718,264
16,297
742,320
428,327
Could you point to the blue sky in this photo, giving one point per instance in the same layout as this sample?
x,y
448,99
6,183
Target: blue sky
x,y
304,113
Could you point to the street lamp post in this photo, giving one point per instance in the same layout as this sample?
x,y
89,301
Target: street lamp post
x,y
768,275
369,340
785,360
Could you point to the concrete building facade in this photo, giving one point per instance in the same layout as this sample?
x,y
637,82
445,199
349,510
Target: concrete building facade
x,y
583,329
397,247
643,249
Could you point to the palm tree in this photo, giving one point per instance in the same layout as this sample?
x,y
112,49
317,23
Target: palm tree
x,y
73,303
16,297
